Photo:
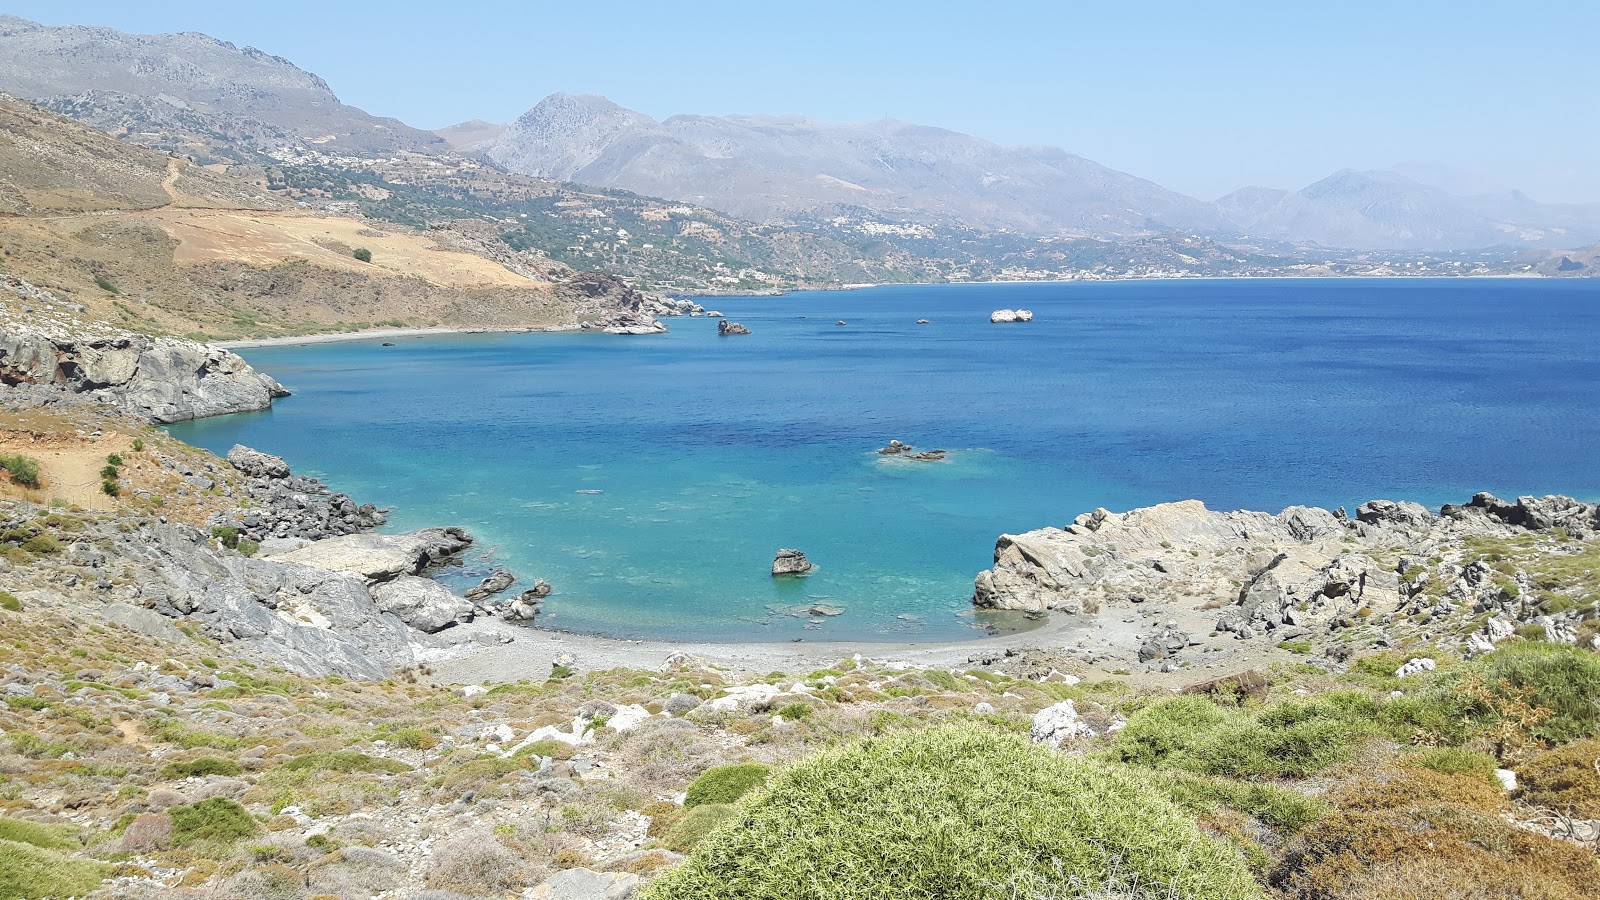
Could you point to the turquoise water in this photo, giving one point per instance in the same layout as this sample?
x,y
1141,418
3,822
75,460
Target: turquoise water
x,y
710,453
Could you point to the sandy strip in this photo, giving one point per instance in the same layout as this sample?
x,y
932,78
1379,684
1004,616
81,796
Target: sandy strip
x,y
381,333
532,651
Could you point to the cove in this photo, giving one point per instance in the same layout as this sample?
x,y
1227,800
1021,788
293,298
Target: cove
x,y
651,479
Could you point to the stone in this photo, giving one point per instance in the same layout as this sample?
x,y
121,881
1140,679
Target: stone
x,y
585,884
726,327
257,464
790,562
1248,685
422,603
1000,316
895,448
380,557
1415,665
1057,725
497,581
922,321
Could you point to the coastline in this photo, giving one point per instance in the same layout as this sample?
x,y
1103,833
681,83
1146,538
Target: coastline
x,y
532,651
380,333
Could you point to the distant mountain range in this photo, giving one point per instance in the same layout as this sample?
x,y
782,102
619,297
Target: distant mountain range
x,y
189,93
908,201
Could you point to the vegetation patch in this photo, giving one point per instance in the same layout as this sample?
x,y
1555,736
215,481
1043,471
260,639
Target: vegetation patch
x,y
28,871
347,761
1292,738
959,813
24,470
1565,780
50,837
215,821
725,784
199,768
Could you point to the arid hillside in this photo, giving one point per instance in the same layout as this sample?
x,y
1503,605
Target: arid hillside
x,y
159,245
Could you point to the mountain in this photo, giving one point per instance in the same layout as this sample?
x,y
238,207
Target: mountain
x,y
1387,210
793,169
469,136
189,93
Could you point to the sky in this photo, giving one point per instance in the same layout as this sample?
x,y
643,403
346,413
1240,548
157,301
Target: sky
x,y
1203,97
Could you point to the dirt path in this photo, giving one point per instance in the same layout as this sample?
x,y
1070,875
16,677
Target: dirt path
x,y
170,183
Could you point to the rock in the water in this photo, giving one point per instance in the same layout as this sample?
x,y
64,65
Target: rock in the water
x,y
922,321
928,455
729,327
1000,316
713,314
585,884
895,448
422,603
1058,725
497,581
626,322
256,464
841,322
790,562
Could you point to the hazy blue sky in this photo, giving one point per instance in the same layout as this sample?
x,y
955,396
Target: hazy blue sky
x,y
1203,97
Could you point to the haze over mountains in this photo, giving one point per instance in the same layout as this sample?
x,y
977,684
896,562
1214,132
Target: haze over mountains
x,y
218,102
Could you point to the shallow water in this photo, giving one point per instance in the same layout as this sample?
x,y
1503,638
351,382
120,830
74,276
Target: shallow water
x,y
708,453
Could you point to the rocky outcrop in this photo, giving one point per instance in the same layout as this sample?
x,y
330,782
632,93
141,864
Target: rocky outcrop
x,y
1002,316
626,322
160,379
726,327
790,562
498,580
1302,571
288,506
422,603
382,557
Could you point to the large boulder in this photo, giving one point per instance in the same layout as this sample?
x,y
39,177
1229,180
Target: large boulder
x,y
422,603
382,557
790,562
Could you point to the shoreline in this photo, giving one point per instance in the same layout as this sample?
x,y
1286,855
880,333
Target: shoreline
x,y
340,337
531,652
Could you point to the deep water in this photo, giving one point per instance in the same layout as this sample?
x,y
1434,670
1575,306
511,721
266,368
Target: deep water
x,y
650,479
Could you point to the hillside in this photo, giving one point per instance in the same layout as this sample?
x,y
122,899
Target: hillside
x,y
188,93
159,245
770,169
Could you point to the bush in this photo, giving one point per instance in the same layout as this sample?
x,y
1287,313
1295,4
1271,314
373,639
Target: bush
x,y
214,821
50,837
725,784
138,445
228,535
110,488
1417,833
109,472
114,459
9,602
346,761
1293,738
42,545
362,254
1565,780
794,712
1455,761
550,747
105,284
28,871
24,470
1560,678
959,813
199,768
695,825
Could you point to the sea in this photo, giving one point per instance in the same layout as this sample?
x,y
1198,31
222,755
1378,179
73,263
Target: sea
x,y
651,479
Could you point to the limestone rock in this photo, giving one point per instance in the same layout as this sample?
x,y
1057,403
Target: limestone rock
x,y
726,327
790,562
585,884
381,557
497,581
257,464
422,603
1002,316
1057,725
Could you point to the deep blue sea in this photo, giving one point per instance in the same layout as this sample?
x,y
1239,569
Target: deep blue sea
x,y
650,479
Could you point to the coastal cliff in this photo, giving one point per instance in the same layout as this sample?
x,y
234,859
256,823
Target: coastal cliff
x,y
163,380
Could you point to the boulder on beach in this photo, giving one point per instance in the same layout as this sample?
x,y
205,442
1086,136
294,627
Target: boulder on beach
x,y
725,326
790,562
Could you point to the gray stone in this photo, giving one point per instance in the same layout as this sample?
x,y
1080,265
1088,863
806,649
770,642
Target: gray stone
x,y
585,884
422,603
790,562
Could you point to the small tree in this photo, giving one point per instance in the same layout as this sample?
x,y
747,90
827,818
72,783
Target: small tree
x,y
363,254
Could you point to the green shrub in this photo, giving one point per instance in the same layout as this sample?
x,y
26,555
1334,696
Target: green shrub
x,y
138,445
1292,738
215,821
199,768
725,784
1557,677
50,837
24,470
362,254
114,459
9,602
346,761
228,535
109,472
105,284
794,712
249,548
110,488
1279,807
958,813
28,872
696,824
549,747
1455,761
42,544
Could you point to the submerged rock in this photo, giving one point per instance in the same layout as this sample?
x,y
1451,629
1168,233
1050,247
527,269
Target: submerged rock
x,y
790,562
726,326
497,581
895,448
